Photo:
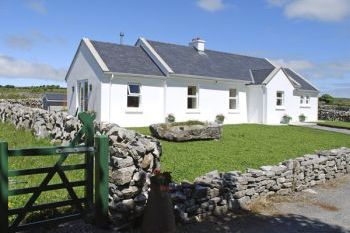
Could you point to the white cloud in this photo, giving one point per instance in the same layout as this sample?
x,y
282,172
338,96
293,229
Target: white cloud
x,y
211,5
322,71
38,6
323,10
29,40
15,68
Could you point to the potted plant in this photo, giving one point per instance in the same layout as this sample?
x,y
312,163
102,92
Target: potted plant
x,y
286,119
220,119
170,118
302,117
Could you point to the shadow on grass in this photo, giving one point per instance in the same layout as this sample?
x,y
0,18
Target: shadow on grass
x,y
247,222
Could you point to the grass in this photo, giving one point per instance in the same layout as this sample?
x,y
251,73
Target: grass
x,y
19,138
11,92
244,146
335,124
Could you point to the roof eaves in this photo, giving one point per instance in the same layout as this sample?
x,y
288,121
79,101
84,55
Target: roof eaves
x,y
302,77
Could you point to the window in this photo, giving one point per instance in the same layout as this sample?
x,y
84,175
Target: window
x,y
307,101
302,99
233,99
134,95
83,95
280,98
192,96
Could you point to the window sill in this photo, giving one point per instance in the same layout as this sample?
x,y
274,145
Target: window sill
x,y
133,110
234,112
305,106
280,108
193,111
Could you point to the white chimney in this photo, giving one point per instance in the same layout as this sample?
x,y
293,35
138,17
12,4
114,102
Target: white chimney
x,y
198,44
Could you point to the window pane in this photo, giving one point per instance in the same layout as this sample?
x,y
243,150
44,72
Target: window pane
x,y
233,92
279,94
301,99
191,103
192,90
233,104
134,89
279,102
133,101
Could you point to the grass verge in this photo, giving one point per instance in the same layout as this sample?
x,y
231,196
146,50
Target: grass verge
x,y
243,146
335,124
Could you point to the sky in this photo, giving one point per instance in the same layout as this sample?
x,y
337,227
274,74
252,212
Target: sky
x,y
38,38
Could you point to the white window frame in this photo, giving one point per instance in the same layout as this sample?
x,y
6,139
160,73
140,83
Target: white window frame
x,y
193,96
307,100
233,98
280,98
302,98
129,94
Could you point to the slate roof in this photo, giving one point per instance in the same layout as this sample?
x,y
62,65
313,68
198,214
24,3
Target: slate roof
x,y
304,85
187,60
57,97
126,59
260,75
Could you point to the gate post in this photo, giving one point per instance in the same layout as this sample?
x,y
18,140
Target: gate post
x,y
101,180
4,182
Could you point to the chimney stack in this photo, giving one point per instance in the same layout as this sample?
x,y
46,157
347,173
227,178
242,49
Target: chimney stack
x,y
198,44
121,34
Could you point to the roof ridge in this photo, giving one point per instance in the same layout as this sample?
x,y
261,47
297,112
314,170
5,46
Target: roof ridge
x,y
112,43
211,50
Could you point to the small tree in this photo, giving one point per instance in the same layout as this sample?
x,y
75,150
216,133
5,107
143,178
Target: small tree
x,y
328,99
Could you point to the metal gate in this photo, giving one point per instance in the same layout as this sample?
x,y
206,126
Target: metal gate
x,y
95,149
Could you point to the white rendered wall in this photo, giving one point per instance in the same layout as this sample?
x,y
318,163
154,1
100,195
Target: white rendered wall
x,y
292,106
84,68
116,111
213,98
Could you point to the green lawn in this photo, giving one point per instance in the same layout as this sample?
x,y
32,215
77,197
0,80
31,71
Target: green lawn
x,y
336,124
23,138
244,146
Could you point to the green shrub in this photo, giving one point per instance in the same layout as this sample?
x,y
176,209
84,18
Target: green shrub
x,y
302,117
170,118
286,119
219,118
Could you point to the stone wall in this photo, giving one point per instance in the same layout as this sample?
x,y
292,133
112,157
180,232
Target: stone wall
x,y
216,193
133,156
334,113
29,102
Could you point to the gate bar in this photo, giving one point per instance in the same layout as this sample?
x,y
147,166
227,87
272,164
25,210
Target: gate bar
x,y
4,186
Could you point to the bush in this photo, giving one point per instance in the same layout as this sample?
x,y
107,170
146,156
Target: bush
x,y
219,118
286,119
170,118
302,117
328,99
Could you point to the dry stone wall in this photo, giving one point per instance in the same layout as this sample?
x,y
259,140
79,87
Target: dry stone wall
x,y
29,102
334,113
133,156
216,193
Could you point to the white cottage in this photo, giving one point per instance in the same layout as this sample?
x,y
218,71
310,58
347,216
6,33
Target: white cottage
x,y
140,85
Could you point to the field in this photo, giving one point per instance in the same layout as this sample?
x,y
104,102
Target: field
x,y
21,139
244,146
335,124
342,101
11,92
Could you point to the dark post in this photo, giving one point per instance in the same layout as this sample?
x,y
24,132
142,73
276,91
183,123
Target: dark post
x,y
4,222
101,179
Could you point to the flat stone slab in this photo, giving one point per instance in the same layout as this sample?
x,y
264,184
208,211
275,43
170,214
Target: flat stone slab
x,y
182,132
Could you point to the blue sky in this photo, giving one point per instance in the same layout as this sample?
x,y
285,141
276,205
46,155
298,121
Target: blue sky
x,y
38,38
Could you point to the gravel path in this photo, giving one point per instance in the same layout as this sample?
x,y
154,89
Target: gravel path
x,y
345,131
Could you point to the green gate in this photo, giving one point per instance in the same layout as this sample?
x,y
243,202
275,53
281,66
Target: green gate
x,y
95,150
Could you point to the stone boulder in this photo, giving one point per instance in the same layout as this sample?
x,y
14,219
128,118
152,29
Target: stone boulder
x,y
180,132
